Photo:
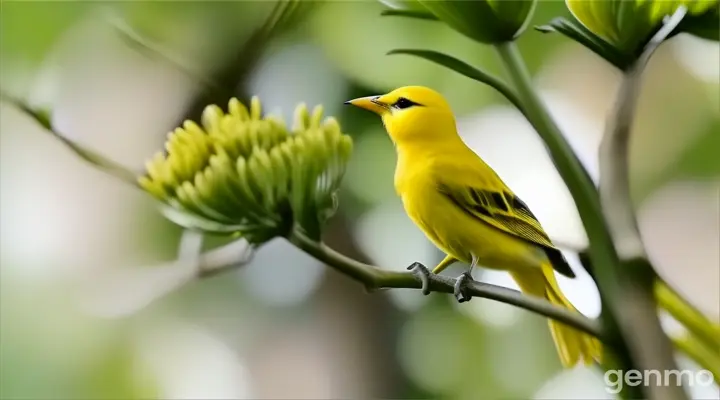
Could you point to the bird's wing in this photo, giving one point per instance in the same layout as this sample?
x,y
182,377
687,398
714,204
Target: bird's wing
x,y
503,210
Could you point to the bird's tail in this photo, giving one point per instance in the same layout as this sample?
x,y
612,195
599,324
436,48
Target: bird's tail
x,y
573,345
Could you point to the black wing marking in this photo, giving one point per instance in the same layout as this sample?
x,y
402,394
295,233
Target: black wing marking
x,y
505,211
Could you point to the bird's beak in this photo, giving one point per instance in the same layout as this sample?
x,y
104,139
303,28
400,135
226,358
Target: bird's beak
x,y
370,103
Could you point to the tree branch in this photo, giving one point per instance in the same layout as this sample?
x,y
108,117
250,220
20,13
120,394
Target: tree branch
x,y
230,256
123,291
152,50
630,318
633,303
614,149
98,160
230,76
375,278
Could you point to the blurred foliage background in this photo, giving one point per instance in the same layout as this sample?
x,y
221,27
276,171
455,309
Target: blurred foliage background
x,y
79,248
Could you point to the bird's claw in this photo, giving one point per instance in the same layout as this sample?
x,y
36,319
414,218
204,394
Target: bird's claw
x,y
423,273
461,283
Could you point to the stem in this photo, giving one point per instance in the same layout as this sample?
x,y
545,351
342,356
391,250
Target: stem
x,y
98,160
366,274
650,347
579,184
697,352
568,165
614,153
231,256
632,318
702,328
571,170
377,278
230,76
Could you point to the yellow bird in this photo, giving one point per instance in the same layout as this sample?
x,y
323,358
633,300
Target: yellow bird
x,y
467,211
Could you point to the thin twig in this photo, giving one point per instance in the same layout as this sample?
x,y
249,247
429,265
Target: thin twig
x,y
147,48
233,255
375,278
118,292
230,256
98,160
230,76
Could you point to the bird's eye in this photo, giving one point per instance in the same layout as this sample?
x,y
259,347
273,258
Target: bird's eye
x,y
403,103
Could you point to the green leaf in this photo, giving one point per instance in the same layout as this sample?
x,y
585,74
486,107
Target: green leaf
x,y
466,69
423,15
580,34
485,21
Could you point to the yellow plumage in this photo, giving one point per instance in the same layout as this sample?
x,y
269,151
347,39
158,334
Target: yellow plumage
x,y
467,211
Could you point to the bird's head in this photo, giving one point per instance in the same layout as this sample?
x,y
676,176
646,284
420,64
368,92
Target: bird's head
x,y
411,114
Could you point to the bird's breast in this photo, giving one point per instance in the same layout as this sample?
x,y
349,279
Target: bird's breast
x,y
432,213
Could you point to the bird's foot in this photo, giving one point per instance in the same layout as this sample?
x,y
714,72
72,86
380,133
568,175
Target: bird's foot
x,y
461,287
423,273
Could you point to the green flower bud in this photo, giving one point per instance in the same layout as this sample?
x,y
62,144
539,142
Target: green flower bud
x,y
486,21
628,24
245,174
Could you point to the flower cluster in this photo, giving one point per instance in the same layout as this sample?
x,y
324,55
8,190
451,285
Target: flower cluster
x,y
246,174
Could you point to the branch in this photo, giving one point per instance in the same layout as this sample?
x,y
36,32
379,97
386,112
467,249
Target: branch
x,y
614,148
123,291
231,75
98,160
230,256
375,278
149,49
632,300
629,312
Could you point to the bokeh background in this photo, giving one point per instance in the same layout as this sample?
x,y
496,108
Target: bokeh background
x,y
93,303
